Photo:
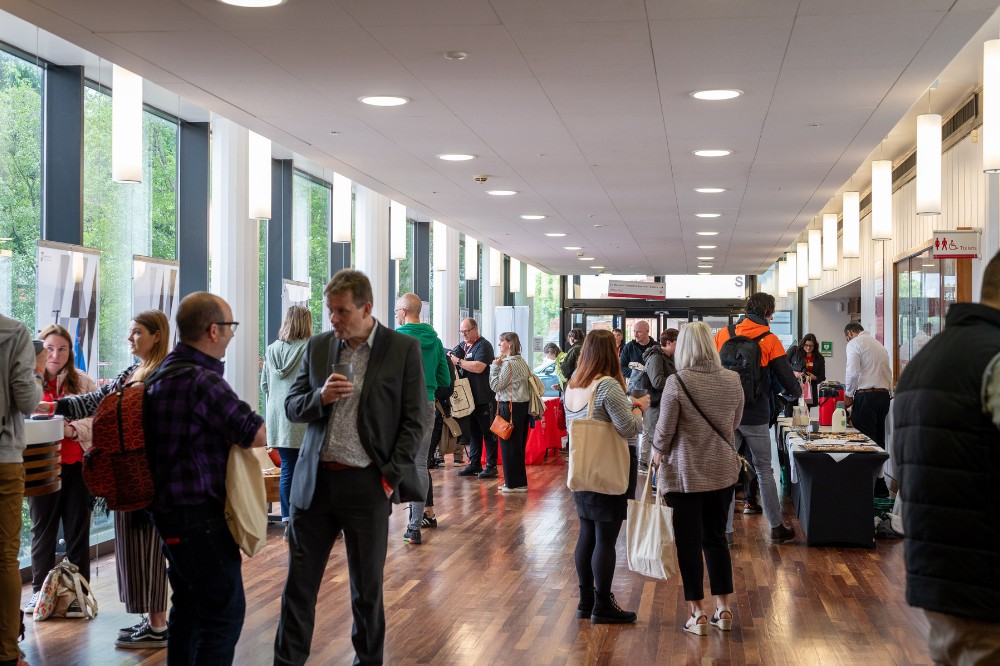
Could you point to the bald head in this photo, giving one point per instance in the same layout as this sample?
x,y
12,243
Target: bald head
x,y
408,307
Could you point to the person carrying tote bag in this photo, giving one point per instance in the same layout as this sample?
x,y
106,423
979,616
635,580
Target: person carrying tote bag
x,y
694,450
598,379
509,379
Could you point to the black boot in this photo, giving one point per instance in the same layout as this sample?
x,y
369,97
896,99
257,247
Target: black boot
x,y
607,611
586,605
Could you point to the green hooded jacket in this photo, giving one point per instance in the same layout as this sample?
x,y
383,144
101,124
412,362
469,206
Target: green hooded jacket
x,y
432,351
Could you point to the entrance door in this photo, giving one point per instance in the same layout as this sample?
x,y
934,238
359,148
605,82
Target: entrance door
x,y
716,320
601,320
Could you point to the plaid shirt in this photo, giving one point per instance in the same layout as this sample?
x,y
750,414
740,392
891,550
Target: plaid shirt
x,y
194,417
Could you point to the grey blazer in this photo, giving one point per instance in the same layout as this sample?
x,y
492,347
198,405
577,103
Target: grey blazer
x,y
391,414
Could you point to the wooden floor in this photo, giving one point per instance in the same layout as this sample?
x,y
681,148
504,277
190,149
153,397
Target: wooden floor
x,y
495,583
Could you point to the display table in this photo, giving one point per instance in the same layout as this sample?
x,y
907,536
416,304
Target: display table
x,y
832,493
42,457
546,435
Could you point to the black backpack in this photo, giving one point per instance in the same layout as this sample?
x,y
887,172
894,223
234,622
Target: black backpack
x,y
742,355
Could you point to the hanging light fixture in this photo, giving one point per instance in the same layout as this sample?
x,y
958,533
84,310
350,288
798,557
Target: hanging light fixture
x,y
780,266
259,175
471,258
929,164
496,277
397,230
801,264
792,272
991,106
341,217
126,126
852,226
815,254
830,242
515,276
881,200
532,278
440,246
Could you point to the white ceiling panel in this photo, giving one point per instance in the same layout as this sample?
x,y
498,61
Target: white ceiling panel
x,y
721,45
420,12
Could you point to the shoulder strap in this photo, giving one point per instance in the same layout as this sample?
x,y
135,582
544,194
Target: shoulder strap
x,y
762,336
732,330
707,420
593,395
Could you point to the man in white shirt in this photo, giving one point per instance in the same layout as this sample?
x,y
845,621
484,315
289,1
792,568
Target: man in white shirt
x,y
868,391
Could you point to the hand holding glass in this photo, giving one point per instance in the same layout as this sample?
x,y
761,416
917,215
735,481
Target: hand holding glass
x,y
345,369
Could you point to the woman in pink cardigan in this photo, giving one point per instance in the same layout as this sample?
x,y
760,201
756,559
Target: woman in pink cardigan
x,y
694,449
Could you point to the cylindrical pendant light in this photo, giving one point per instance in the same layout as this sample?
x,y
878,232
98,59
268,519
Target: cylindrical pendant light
x,y
881,200
440,246
991,106
531,275
496,266
471,258
815,254
515,276
929,164
780,277
397,230
852,226
792,271
830,242
259,175
126,126
802,264
340,231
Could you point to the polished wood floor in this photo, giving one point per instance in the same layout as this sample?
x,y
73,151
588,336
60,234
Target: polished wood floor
x,y
495,584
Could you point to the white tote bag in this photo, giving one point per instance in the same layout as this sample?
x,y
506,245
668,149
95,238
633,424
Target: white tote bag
x,y
649,536
462,402
598,455
246,501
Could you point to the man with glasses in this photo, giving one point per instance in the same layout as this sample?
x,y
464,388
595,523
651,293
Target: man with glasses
x,y
195,417
472,357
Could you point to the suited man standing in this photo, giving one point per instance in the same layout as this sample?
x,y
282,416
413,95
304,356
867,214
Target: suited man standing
x,y
359,450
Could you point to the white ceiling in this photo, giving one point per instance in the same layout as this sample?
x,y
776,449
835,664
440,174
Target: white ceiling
x,y
582,106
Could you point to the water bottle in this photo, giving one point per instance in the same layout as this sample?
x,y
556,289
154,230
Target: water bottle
x,y
839,423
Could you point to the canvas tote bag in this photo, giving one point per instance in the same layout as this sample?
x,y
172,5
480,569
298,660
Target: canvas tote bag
x,y
462,403
246,501
649,536
598,455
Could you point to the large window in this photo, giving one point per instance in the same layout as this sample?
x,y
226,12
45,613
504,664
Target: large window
x,y
547,311
311,201
925,287
20,184
404,267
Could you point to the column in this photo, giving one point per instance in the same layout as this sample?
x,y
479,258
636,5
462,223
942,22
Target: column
x,y
193,180
62,207
371,232
445,316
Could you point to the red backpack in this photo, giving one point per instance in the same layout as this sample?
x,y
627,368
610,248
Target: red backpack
x,y
117,466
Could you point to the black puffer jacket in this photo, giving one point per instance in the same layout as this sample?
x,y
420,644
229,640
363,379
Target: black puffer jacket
x,y
947,449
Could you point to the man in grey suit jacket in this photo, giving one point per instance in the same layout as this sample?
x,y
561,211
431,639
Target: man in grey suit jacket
x,y
365,424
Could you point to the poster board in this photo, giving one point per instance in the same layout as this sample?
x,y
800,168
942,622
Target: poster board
x,y
156,286
67,294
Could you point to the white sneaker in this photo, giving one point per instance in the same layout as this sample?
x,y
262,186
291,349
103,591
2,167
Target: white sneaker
x,y
505,490
30,606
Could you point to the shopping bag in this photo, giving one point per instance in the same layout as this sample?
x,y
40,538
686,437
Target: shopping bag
x,y
246,500
649,536
462,403
598,455
807,391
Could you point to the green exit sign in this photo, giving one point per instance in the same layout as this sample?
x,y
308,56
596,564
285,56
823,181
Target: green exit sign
x,y
826,348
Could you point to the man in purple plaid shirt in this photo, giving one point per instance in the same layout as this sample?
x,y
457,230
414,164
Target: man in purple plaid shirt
x,y
195,416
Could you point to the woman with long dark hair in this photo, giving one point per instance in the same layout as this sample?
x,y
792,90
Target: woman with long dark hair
x,y
808,365
598,376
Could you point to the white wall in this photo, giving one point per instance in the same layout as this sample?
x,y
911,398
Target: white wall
x,y
827,322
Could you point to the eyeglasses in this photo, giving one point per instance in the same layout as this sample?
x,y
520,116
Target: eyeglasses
x,y
233,325
463,331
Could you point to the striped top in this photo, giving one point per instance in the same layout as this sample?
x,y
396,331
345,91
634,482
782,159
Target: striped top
x,y
501,384
610,404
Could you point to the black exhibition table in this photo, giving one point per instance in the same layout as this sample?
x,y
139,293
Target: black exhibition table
x,y
833,499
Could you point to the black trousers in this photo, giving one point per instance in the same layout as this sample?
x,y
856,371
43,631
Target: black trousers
x,y
512,450
477,424
700,527
869,412
71,507
352,500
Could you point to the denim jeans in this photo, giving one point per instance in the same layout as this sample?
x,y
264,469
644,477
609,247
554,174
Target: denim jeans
x,y
417,508
758,439
204,568
288,459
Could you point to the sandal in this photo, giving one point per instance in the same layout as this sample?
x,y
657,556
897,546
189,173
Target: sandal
x,y
723,623
695,626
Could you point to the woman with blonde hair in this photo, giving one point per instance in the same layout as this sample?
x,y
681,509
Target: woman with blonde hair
x,y
598,377
510,380
139,562
281,363
700,409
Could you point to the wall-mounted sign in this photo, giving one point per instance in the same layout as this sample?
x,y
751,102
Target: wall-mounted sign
x,y
955,244
629,289
826,348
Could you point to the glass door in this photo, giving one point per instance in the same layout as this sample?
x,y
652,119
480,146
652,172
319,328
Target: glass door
x,y
925,287
715,320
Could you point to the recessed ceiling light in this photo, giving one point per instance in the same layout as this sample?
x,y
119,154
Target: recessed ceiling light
x,y
716,95
456,55
705,258
707,247
252,3
705,266
586,258
708,214
710,190
456,157
501,193
555,234
384,100
924,265
597,267
572,247
712,153
708,233
706,273
598,226
535,217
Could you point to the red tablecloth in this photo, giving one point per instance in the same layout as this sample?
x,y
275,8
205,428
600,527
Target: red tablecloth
x,y
545,435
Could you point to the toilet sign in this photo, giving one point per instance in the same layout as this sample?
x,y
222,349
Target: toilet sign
x,y
955,244
826,348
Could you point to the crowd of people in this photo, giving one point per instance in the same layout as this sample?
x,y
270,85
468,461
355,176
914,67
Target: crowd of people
x,y
355,414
